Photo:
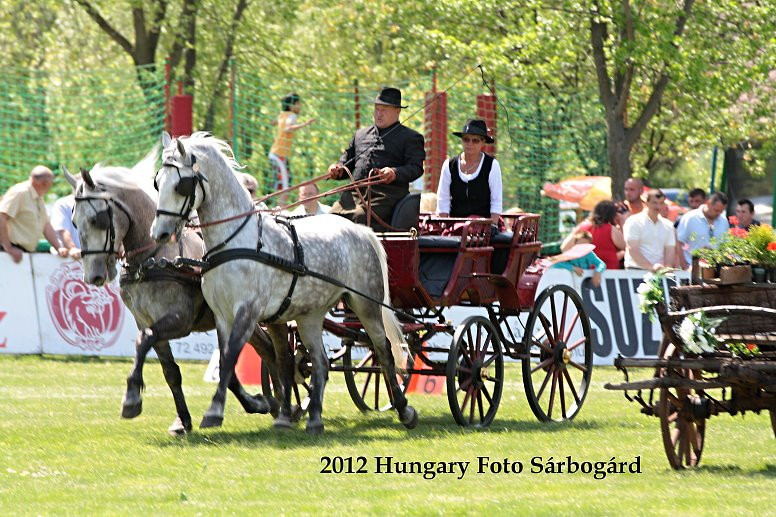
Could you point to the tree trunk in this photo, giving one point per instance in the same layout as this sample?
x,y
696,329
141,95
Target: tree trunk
x,y
618,152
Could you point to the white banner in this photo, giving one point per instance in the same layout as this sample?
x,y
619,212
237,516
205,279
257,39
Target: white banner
x,y
45,306
19,332
77,318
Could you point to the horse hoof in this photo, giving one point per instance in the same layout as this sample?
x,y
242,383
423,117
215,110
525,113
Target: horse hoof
x,y
296,413
258,404
282,423
211,421
410,419
315,429
131,410
178,428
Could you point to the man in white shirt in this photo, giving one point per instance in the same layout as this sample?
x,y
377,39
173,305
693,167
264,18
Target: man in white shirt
x,y
649,237
704,226
312,207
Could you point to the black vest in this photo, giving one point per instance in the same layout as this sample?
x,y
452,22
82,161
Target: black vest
x,y
471,198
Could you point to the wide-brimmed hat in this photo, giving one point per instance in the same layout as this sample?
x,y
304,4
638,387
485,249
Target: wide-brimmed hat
x,y
475,127
389,97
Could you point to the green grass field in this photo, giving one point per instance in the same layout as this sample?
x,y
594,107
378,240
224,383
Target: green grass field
x,y
65,450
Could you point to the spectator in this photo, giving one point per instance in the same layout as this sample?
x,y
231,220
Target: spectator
x,y
312,207
699,226
23,216
633,204
280,151
587,261
388,148
249,183
62,223
470,183
695,198
605,234
649,237
745,215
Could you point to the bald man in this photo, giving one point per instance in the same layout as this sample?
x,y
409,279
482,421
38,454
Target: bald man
x,y
23,217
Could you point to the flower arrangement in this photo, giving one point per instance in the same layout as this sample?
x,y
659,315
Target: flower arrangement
x,y
651,293
739,246
698,333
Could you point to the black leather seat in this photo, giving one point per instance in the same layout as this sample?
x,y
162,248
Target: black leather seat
x,y
406,212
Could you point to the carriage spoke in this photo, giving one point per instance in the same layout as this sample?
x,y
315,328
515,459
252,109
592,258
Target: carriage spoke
x,y
479,405
554,318
365,388
576,343
571,386
546,325
465,383
562,396
477,345
487,394
377,391
544,384
544,363
563,316
471,408
369,355
552,393
571,327
578,366
489,361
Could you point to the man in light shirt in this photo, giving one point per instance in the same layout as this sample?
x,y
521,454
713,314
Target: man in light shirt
x,y
649,237
311,207
698,227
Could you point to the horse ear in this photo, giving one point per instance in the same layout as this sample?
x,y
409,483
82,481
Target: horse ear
x,y
87,178
166,139
181,149
69,177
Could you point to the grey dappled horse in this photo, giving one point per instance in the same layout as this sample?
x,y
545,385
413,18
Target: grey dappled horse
x,y
197,175
113,209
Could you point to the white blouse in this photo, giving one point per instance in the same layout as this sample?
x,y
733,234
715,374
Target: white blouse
x,y
494,182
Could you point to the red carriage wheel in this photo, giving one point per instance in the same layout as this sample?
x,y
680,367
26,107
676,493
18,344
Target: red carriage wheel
x,y
559,355
475,372
682,416
364,379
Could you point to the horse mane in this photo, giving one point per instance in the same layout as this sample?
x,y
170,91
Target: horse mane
x,y
202,142
139,177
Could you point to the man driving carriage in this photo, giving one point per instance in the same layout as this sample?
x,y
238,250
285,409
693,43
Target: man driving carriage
x,y
388,148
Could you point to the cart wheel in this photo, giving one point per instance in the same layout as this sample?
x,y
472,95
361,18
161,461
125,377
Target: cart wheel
x,y
300,399
475,372
682,417
559,355
366,383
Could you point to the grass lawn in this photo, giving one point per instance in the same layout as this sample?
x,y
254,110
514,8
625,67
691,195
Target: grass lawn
x,y
65,450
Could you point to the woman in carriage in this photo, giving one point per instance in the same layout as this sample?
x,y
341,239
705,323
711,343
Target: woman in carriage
x,y
470,183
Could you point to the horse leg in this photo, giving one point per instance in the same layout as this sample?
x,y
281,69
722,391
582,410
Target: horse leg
x,y
262,343
132,403
284,362
310,332
256,403
241,330
172,374
370,315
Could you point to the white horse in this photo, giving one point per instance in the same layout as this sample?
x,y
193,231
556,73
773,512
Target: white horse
x,y
114,208
196,174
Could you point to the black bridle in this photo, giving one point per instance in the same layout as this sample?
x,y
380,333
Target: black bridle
x,y
103,220
186,187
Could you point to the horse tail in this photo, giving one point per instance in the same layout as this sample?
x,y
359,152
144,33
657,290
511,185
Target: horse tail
x,y
393,330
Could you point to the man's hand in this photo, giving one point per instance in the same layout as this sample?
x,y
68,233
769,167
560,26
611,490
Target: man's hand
x,y
74,253
388,174
62,252
657,266
15,253
578,270
336,171
596,279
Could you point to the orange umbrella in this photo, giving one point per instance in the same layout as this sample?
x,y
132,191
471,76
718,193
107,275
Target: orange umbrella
x,y
586,191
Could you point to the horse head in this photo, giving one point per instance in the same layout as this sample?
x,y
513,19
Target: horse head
x,y
181,187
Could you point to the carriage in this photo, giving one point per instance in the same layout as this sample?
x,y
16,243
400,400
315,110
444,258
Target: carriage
x,y
686,388
439,264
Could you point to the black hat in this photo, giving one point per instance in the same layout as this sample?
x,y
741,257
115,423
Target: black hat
x,y
475,127
389,97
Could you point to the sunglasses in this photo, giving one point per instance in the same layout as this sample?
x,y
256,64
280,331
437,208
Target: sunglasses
x,y
470,140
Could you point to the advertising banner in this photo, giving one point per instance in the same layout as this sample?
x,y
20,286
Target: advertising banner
x,y
19,333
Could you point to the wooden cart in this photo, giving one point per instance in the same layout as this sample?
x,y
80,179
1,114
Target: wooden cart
x,y
687,389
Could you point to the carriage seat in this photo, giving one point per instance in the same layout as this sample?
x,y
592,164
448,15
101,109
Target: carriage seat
x,y
406,212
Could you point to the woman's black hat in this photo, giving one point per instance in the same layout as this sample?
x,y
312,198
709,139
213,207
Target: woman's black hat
x,y
389,97
475,127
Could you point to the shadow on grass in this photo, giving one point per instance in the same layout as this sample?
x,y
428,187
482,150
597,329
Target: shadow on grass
x,y
768,471
368,428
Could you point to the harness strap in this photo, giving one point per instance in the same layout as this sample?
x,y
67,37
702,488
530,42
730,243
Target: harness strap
x,y
234,234
298,260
